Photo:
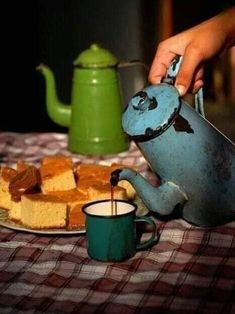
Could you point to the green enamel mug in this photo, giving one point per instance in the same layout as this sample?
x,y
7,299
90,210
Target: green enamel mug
x,y
111,234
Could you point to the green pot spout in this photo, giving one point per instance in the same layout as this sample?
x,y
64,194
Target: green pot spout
x,y
58,112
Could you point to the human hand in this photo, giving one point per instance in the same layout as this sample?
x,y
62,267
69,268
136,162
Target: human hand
x,y
196,45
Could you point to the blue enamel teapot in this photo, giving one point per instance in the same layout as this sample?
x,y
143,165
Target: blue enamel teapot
x,y
194,162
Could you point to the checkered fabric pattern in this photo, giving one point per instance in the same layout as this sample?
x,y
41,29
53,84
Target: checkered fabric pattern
x,y
32,147
189,270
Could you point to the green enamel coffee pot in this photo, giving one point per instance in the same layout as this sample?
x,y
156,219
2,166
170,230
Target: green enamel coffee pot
x,y
94,116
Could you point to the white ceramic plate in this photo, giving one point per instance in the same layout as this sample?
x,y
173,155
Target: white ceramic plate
x,y
5,222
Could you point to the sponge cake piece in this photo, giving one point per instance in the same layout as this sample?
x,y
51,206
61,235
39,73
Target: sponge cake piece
x,y
6,174
39,211
25,181
57,174
14,212
56,159
103,191
90,171
130,191
75,200
92,174
76,218
58,202
21,166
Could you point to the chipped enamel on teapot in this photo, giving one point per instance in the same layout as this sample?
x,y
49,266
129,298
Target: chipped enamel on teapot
x,y
194,161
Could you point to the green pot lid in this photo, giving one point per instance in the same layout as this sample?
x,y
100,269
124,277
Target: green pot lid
x,y
95,57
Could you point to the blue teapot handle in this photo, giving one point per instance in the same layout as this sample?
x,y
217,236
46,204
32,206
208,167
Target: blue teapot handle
x,y
170,79
199,102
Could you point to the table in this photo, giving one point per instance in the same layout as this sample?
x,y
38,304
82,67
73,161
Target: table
x,y
189,270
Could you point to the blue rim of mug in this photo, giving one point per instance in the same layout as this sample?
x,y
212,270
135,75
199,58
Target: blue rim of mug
x,y
105,201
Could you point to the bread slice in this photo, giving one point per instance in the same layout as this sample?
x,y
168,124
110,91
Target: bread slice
x,y
39,211
57,174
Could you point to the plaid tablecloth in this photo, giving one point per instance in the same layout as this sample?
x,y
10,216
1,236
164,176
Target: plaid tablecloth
x,y
189,270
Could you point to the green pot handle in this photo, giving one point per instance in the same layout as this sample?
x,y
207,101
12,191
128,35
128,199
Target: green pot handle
x,y
150,242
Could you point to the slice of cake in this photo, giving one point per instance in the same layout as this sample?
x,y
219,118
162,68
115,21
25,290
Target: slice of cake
x,y
75,200
130,191
84,183
56,159
76,218
12,185
91,174
14,212
21,166
103,191
39,211
24,182
90,171
6,174
57,174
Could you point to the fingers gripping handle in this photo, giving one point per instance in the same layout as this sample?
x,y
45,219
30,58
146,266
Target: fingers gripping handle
x,y
171,77
173,70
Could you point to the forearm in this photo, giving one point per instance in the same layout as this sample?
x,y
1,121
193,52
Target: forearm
x,y
225,24
196,45
228,17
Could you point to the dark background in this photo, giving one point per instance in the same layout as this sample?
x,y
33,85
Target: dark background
x,y
56,31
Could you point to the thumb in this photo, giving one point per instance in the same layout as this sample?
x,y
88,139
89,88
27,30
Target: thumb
x,y
191,60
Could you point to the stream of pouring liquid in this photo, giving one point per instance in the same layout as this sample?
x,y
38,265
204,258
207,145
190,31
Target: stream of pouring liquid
x,y
113,203
113,182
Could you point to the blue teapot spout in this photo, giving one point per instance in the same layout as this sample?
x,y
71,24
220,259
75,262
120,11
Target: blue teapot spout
x,y
163,200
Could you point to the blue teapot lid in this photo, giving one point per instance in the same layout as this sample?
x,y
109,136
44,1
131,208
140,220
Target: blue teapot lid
x,y
151,111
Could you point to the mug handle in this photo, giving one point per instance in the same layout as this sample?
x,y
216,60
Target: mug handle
x,y
148,243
